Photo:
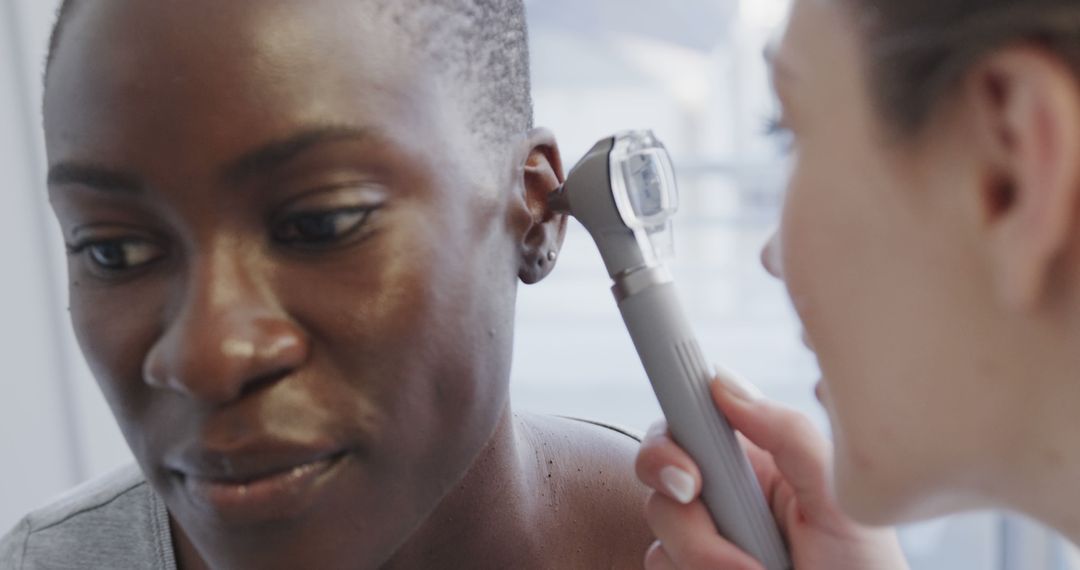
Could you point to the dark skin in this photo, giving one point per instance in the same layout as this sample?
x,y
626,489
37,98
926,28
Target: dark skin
x,y
281,261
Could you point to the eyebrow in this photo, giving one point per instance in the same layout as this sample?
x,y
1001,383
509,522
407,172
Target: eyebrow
x,y
277,153
264,158
94,176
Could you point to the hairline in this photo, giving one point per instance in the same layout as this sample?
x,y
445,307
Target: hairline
x,y
510,94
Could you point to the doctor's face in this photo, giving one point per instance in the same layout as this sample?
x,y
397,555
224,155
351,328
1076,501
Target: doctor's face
x,y
873,269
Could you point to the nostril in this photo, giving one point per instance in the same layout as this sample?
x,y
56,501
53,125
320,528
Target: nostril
x,y
225,354
155,369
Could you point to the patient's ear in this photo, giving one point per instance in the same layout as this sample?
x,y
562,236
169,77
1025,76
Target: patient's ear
x,y
1027,115
543,231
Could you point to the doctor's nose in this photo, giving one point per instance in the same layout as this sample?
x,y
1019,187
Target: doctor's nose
x,y
770,256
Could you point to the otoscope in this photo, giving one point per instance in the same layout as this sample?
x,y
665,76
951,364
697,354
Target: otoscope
x,y
623,191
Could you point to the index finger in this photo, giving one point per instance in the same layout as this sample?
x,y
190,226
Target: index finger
x,y
801,454
664,466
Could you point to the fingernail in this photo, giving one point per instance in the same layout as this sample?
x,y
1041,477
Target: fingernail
x,y
737,386
678,483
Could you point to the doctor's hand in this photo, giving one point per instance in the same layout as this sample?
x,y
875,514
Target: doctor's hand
x,y
791,461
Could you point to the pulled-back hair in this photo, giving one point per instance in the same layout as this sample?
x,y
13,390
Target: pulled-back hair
x,y
917,50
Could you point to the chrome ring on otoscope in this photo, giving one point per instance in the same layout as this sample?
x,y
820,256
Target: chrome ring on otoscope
x,y
639,280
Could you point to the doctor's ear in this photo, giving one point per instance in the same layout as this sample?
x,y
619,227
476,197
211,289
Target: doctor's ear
x,y
1027,104
542,236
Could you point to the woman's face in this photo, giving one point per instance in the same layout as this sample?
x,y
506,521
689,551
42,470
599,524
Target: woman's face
x,y
879,277
291,278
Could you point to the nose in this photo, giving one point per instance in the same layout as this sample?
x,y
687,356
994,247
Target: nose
x,y
226,336
770,256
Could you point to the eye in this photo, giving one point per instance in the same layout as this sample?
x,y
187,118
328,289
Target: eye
x,y
776,128
115,256
320,228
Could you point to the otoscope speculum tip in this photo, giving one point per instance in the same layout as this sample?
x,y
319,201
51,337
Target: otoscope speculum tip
x,y
558,201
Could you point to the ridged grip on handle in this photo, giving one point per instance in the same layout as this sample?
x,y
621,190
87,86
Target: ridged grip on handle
x,y
680,379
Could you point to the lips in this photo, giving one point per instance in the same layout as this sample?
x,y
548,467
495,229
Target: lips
x,y
258,482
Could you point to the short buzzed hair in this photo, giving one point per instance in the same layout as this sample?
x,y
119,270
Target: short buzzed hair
x,y
481,45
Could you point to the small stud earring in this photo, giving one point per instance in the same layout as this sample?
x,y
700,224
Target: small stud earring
x,y
552,255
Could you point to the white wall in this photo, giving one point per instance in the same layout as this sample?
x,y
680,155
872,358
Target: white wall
x,y
54,427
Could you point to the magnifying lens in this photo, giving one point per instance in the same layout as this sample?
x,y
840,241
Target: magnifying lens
x,y
623,191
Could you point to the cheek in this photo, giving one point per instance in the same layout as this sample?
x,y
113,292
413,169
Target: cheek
x,y
115,330
828,265
410,325
839,251
810,230
849,256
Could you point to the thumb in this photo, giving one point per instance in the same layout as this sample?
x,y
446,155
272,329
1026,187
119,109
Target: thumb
x,y
801,454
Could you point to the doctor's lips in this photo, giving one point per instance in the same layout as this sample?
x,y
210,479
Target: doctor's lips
x,y
257,482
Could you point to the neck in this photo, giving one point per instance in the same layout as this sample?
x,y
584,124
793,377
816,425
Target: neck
x,y
1044,462
1046,490
1051,496
491,517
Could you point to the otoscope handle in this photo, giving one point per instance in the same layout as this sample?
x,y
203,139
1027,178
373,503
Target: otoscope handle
x,y
680,377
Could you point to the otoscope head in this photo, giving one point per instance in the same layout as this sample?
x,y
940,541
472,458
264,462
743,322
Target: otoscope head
x,y
624,193
643,180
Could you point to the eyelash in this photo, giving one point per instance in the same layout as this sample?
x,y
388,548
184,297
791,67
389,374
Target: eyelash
x,y
290,225
89,249
776,128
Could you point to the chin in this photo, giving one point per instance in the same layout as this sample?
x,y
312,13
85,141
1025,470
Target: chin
x,y
900,499
869,492
868,510
863,504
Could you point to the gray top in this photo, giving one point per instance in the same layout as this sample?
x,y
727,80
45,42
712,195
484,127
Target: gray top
x,y
116,521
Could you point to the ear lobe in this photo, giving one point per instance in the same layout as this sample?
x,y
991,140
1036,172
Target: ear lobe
x,y
542,239
1029,105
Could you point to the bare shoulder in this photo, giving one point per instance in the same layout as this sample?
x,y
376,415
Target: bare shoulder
x,y
588,481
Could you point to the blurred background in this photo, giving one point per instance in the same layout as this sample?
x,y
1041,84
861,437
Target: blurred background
x,y
692,70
